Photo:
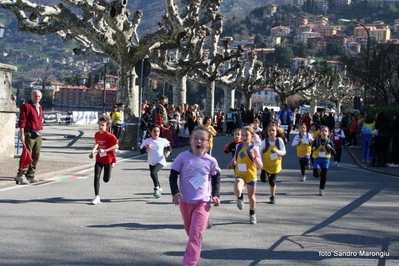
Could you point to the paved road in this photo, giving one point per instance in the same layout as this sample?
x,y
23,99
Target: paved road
x,y
53,223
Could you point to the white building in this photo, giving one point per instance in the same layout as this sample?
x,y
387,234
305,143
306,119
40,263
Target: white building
x,y
265,97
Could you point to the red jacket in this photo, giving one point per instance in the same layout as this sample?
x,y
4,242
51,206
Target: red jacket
x,y
28,117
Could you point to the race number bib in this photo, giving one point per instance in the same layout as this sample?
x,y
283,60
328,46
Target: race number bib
x,y
197,181
242,167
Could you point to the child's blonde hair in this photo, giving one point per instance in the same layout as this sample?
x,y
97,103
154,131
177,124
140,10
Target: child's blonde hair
x,y
250,130
201,127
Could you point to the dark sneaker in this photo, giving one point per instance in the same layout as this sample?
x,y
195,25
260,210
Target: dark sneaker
x,y
210,223
240,203
272,200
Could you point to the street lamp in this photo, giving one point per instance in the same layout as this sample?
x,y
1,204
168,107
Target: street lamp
x,y
367,58
2,30
105,61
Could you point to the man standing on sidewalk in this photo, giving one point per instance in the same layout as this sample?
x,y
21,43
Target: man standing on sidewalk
x,y
30,125
161,117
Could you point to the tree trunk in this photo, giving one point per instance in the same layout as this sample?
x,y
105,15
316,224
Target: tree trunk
x,y
128,93
339,103
248,101
210,100
180,90
313,106
228,103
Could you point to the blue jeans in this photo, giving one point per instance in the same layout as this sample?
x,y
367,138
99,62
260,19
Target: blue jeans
x,y
365,147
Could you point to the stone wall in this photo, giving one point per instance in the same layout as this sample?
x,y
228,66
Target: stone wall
x,y
8,111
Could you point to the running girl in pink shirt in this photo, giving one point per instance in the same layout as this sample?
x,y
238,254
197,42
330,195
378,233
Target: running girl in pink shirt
x,y
199,183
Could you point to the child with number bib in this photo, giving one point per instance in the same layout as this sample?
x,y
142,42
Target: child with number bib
x,y
338,137
199,183
303,143
322,150
244,163
272,149
105,144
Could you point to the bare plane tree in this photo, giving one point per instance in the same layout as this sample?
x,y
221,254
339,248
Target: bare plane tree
x,y
107,29
341,92
318,90
285,84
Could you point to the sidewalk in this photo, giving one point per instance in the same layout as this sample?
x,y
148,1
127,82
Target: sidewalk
x,y
356,154
65,151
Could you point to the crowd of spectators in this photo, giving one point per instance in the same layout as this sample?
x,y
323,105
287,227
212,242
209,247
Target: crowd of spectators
x,y
177,122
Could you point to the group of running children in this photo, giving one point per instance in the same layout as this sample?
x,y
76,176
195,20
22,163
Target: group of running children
x,y
199,172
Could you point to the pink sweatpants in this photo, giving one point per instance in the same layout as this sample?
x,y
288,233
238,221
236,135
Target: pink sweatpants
x,y
195,217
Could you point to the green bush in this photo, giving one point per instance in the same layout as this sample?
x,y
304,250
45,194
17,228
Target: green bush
x,y
388,110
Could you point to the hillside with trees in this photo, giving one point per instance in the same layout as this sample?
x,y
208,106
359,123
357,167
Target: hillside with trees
x,y
47,58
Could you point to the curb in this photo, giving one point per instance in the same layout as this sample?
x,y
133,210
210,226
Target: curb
x,y
363,166
48,176
66,171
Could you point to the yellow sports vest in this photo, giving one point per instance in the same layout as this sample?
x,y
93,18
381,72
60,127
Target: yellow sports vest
x,y
269,165
211,128
303,149
242,158
321,148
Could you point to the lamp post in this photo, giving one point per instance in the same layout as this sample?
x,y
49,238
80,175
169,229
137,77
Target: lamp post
x,y
367,59
105,61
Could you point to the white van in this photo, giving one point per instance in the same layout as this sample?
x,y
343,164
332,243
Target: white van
x,y
306,108
275,108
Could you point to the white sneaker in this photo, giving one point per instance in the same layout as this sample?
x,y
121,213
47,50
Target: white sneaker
x,y
321,192
252,219
21,179
240,204
117,151
395,165
96,200
335,163
304,178
157,192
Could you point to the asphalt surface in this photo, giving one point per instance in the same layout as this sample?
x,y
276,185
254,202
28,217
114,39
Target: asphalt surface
x,y
53,222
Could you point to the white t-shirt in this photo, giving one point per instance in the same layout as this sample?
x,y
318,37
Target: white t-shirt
x,y
156,154
257,140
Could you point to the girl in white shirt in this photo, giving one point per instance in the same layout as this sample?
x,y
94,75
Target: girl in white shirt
x,y
158,150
